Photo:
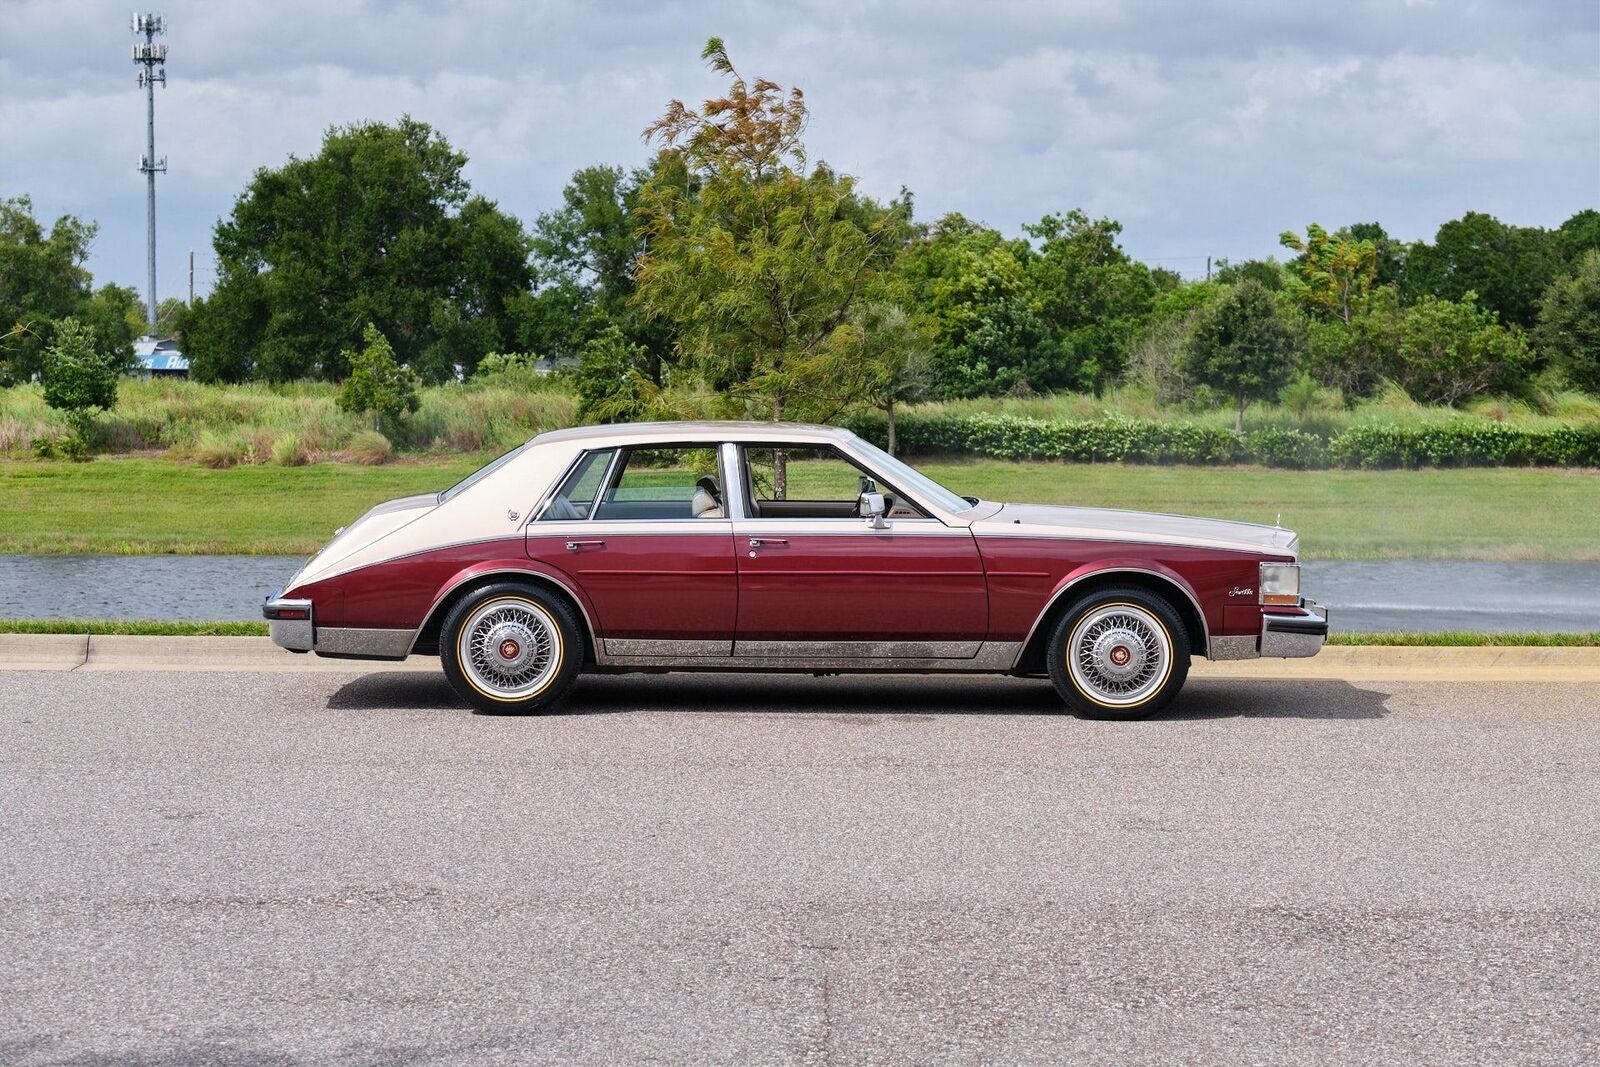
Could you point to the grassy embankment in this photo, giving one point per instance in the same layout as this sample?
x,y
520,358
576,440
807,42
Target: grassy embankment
x,y
258,629
141,506
290,425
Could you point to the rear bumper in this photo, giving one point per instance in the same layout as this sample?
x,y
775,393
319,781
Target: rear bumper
x,y
1295,636
292,624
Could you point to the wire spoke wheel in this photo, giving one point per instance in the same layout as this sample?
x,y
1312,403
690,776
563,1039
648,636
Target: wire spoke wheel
x,y
510,648
1119,654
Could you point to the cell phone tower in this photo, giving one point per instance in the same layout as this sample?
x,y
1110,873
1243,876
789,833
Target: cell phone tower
x,y
152,61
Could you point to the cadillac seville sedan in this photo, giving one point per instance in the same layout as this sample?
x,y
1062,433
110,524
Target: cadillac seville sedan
x,y
724,546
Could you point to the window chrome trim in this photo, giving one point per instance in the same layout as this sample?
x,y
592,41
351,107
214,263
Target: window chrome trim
x,y
1205,628
837,446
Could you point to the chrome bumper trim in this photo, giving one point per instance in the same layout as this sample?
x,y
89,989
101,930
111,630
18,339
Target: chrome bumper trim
x,y
356,642
1295,636
295,634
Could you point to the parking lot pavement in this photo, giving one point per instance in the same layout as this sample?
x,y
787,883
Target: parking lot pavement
x,y
352,868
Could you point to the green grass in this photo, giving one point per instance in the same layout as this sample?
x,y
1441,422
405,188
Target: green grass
x,y
1457,638
99,627
154,506
1484,514
150,507
132,628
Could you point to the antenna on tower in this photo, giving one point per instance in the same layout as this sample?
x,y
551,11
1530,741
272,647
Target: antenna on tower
x,y
152,61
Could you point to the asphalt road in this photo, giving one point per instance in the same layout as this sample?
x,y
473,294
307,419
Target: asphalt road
x,y
316,868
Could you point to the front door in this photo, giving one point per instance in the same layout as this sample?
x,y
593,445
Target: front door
x,y
643,533
815,580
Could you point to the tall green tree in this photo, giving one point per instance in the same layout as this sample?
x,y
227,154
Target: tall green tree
x,y
1333,272
43,280
1507,267
584,256
970,283
1091,296
1568,332
893,366
380,226
759,267
1243,347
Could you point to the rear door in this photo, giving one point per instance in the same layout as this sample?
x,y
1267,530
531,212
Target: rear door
x,y
815,580
662,581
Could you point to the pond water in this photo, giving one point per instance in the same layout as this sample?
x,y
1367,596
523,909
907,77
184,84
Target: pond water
x,y
1365,596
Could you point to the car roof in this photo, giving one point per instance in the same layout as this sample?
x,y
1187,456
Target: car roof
x,y
635,432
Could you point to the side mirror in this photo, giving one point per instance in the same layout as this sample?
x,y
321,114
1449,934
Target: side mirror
x,y
873,507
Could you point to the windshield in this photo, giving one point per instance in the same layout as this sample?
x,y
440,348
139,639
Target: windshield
x,y
914,480
482,473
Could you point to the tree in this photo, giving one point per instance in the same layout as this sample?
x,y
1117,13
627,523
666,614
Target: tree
x,y
1440,351
1091,296
1568,332
970,284
43,280
584,256
1334,272
612,379
1242,346
1507,267
758,269
378,227
893,364
377,383
79,379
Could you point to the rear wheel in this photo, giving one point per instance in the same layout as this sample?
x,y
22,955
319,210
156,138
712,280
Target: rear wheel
x,y
511,648
1118,654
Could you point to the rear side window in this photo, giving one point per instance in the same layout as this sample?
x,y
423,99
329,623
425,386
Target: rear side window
x,y
575,498
664,483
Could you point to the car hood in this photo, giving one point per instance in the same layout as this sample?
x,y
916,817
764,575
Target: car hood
x,y
378,522
1145,527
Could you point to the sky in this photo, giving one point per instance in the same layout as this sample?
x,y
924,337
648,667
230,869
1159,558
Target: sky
x,y
1206,128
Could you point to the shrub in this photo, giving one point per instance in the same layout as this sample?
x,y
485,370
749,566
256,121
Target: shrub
x,y
290,451
1457,442
379,384
78,381
218,450
371,448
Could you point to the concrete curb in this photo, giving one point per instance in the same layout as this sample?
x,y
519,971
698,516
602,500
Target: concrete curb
x,y
70,652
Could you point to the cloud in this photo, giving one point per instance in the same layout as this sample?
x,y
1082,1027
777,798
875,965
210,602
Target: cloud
x,y
1205,127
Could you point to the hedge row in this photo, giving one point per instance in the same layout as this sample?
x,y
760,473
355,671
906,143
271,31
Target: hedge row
x,y
1462,443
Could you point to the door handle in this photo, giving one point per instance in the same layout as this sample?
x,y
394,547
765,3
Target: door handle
x,y
574,546
757,542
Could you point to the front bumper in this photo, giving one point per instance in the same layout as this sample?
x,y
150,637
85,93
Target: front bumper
x,y
289,622
1297,635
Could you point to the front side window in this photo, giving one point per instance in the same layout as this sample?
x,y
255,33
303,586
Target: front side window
x,y
812,482
575,499
675,482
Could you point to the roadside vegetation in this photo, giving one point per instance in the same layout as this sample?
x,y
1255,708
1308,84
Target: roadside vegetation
x,y
731,274
139,506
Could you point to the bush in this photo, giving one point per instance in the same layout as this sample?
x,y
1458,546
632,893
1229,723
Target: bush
x,y
1458,442
370,448
290,451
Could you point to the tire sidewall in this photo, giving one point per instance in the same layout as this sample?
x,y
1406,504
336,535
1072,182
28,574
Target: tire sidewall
x,y
572,649
1083,704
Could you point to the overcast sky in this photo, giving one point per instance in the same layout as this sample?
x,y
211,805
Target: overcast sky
x,y
1205,127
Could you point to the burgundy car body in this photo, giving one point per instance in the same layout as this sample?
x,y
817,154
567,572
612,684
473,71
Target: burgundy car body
x,y
965,588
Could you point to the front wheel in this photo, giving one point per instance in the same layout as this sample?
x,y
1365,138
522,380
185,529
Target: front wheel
x,y
511,648
1118,654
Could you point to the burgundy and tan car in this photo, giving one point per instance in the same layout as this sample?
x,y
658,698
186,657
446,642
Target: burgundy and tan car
x,y
771,547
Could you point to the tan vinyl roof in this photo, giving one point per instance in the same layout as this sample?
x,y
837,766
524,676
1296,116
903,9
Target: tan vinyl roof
x,y
696,431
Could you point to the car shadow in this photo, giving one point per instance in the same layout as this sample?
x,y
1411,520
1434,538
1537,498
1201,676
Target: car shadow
x,y
858,695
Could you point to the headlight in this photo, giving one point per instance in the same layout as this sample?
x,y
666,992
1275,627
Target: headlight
x,y
1279,584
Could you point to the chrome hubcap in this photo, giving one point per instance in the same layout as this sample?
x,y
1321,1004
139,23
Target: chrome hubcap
x,y
1119,654
510,648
